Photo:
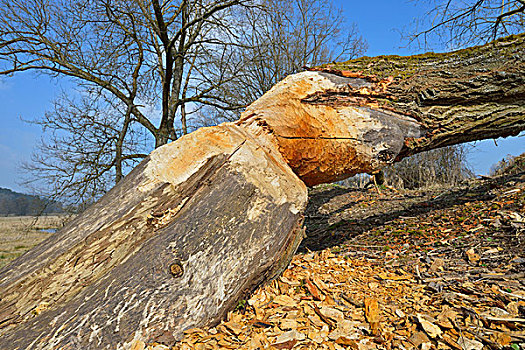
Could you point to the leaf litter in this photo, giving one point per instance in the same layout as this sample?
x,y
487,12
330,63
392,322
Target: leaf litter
x,y
432,269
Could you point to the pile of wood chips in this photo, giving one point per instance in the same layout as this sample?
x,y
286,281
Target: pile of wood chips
x,y
325,301
466,293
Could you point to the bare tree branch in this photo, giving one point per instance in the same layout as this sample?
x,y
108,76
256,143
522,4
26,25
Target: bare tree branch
x,y
460,23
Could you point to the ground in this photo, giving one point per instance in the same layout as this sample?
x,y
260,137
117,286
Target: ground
x,y
428,269
21,233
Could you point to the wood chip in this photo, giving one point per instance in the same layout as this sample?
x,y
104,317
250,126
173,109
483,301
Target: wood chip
x,y
431,329
313,289
372,314
418,338
469,344
288,339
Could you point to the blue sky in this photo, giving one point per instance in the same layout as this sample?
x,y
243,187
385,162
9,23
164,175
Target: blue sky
x,y
28,95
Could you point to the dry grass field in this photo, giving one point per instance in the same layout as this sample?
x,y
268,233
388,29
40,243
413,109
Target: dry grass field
x,y
20,233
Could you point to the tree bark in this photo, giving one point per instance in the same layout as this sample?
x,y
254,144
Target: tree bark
x,y
204,220
466,95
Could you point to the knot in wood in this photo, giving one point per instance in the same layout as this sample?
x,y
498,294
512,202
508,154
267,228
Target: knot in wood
x,y
176,269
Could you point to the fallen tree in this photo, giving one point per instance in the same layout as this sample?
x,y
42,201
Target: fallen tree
x,y
203,220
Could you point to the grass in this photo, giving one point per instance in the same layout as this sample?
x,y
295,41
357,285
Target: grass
x,y
18,234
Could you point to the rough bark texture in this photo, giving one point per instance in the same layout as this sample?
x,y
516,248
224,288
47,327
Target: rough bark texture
x,y
472,94
205,219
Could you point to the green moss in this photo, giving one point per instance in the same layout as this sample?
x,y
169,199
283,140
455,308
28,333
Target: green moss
x,y
406,66
336,250
241,305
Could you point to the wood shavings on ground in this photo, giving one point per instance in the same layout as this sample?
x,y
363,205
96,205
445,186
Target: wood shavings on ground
x,y
448,274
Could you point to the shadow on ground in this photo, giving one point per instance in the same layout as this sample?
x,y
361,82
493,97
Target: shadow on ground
x,y
336,214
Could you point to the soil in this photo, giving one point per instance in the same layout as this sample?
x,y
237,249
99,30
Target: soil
x,y
485,212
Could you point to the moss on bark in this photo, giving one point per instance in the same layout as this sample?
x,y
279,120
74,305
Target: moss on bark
x,y
460,96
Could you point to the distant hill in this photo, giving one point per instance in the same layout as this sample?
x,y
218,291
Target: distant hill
x,y
19,204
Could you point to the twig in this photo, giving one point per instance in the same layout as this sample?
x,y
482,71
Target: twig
x,y
502,319
514,295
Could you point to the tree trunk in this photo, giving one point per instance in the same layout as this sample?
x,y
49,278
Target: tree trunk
x,y
175,244
467,95
203,220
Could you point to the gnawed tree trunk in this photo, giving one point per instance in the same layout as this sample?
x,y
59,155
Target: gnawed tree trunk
x,y
203,220
188,233
467,95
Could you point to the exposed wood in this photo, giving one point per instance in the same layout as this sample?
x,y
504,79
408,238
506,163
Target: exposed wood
x,y
176,244
471,94
327,142
203,220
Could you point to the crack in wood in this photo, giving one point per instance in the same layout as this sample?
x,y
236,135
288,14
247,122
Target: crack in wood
x,y
316,138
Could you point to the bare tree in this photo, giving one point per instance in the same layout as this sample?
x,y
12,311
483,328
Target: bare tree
x,y
91,143
459,23
280,39
446,166
126,55
509,165
131,57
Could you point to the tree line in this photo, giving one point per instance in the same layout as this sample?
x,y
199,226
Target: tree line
x,y
18,204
